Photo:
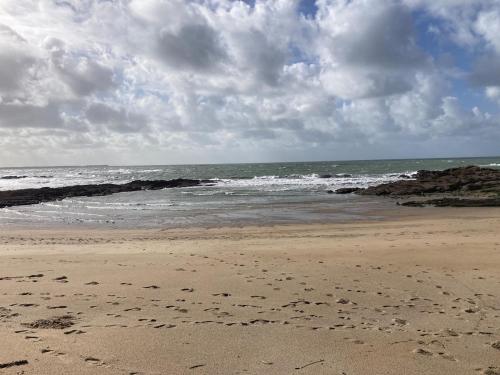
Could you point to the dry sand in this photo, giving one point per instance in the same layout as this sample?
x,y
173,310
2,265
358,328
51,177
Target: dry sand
x,y
413,295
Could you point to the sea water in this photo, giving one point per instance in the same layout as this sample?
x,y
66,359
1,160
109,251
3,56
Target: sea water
x,y
240,194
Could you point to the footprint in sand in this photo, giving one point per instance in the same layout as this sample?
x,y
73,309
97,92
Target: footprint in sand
x,y
447,356
496,345
400,322
259,297
196,366
28,305
422,352
74,331
222,294
33,338
492,371
94,361
343,301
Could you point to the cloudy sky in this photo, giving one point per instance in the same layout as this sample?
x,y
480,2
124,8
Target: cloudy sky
x,y
199,81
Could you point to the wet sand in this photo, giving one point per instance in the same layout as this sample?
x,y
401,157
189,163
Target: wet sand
x,y
406,295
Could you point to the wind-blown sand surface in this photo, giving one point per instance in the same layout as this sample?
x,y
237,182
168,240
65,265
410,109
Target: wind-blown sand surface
x,y
413,295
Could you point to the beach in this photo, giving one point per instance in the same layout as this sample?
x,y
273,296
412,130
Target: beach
x,y
414,293
249,187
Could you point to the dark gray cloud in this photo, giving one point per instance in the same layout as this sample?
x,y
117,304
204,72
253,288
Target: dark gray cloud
x,y
386,85
83,75
116,119
261,57
486,71
13,68
15,59
196,47
30,116
369,49
386,40
89,78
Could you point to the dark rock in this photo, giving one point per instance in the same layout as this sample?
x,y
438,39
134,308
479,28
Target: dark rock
x,y
347,190
12,177
325,176
455,187
454,202
11,198
404,176
454,180
329,191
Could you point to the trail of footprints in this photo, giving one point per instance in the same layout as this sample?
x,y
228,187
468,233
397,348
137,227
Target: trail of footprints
x,y
338,310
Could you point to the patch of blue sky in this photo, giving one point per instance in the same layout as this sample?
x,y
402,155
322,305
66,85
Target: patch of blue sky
x,y
308,8
250,2
471,96
297,55
433,38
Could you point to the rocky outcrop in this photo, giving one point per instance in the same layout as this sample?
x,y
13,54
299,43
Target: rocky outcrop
x,y
20,197
347,190
463,180
454,202
459,187
12,177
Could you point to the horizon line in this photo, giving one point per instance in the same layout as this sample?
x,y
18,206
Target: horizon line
x,y
246,163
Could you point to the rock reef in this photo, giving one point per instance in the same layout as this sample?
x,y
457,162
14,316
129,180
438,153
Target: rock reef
x,y
469,186
454,202
12,177
21,197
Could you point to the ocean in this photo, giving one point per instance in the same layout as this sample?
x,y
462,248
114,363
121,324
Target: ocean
x,y
241,194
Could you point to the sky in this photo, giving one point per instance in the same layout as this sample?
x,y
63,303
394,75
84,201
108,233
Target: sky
x,y
223,81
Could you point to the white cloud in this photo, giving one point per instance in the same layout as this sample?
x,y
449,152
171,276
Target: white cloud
x,y
221,80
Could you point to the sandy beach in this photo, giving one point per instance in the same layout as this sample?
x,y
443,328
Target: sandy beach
x,y
250,187
405,295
